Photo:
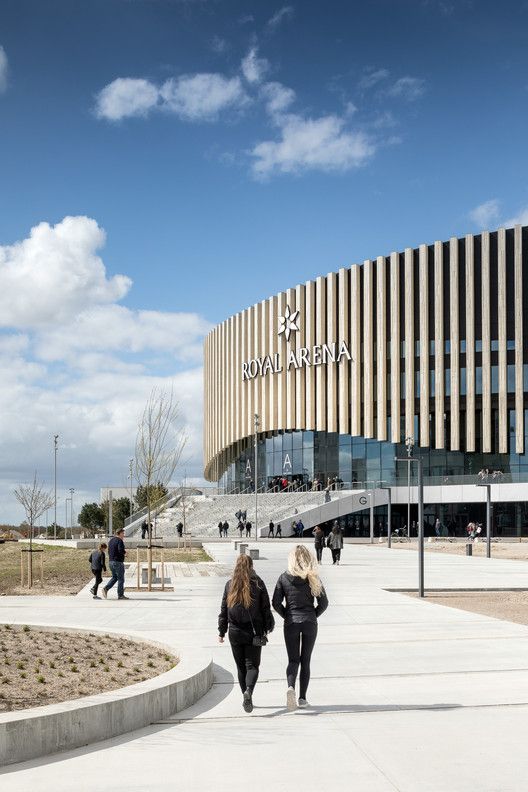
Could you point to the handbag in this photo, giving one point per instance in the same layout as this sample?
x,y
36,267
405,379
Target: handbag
x,y
258,640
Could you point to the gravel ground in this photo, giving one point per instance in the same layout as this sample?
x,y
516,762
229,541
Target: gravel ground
x,y
507,605
40,667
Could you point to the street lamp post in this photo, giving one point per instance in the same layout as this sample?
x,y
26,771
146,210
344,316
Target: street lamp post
x,y
389,509
66,517
130,464
419,462
72,490
488,516
255,466
409,443
55,447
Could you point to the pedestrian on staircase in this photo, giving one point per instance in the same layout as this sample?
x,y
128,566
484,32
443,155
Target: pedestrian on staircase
x,y
220,529
278,531
245,615
241,528
271,529
248,529
319,538
226,528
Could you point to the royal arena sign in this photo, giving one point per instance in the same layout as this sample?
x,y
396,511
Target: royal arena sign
x,y
318,355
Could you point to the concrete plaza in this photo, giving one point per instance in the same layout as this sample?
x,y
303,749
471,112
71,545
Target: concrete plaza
x,y
406,695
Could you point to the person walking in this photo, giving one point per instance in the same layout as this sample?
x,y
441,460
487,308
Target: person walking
x,y
98,566
319,538
335,542
300,529
278,531
245,614
179,528
293,599
116,556
248,530
226,528
220,529
144,530
241,528
271,529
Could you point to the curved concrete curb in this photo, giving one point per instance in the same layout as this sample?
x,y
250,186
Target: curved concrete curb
x,y
41,731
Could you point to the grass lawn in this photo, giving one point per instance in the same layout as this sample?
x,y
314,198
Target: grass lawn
x,y
67,571
44,667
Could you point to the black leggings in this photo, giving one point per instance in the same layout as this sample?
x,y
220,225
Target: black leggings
x,y
98,574
336,554
319,552
247,659
300,641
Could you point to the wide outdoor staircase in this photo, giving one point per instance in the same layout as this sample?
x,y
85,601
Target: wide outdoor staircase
x,y
202,513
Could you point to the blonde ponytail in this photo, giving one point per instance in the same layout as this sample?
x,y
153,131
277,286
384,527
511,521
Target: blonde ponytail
x,y
302,564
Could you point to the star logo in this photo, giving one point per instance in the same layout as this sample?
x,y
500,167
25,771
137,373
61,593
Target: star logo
x,y
288,323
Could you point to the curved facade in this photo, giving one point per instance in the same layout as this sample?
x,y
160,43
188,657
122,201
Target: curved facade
x,y
428,344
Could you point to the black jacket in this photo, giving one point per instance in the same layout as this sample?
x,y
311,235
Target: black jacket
x,y
299,600
97,560
238,619
116,549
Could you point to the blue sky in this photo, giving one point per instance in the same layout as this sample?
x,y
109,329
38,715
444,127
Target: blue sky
x,y
228,150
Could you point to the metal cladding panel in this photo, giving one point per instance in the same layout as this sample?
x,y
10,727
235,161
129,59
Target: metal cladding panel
x,y
381,347
424,344
439,344
301,383
310,341
519,356
455,343
331,337
486,344
355,338
501,319
320,337
395,346
409,343
470,342
300,373
368,352
344,364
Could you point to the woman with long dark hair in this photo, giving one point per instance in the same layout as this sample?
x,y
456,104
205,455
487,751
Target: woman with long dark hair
x,y
319,537
300,599
246,616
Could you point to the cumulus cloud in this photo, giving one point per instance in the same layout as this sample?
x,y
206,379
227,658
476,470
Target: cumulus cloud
x,y
54,273
284,13
408,88
371,78
277,97
312,143
126,97
3,70
253,67
201,97
76,362
485,214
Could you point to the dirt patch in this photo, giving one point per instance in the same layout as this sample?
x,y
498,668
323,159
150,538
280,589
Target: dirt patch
x,y
508,605
66,570
40,667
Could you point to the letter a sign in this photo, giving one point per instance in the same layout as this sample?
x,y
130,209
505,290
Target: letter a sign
x,y
286,465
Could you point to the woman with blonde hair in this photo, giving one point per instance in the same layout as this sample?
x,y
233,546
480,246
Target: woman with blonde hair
x,y
300,599
246,615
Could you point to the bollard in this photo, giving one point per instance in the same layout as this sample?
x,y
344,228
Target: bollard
x,y
469,549
242,548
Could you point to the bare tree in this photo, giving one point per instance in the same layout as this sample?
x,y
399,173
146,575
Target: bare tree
x,y
35,501
159,445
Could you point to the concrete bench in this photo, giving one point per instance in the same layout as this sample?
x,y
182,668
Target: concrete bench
x,y
254,553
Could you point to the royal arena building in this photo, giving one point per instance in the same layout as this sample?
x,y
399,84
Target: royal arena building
x,y
423,350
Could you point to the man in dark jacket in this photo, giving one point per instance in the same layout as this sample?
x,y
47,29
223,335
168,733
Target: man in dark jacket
x,y
116,555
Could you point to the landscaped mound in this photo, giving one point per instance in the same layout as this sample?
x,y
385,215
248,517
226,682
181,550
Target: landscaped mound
x,y
45,667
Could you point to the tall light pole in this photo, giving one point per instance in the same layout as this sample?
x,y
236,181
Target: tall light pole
x,y
389,509
55,447
72,490
488,516
255,466
130,463
66,517
409,442
419,462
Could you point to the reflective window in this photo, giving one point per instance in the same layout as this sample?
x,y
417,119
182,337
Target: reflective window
x,y
494,345
511,378
510,344
463,345
478,346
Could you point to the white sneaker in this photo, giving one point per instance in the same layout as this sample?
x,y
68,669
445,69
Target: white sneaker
x,y
303,703
291,703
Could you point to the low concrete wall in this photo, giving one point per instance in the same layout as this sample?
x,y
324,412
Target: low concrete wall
x,y
41,731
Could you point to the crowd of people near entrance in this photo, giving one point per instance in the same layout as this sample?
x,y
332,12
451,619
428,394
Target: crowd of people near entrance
x,y
298,483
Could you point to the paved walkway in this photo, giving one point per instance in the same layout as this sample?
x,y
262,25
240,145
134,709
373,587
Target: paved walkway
x,y
406,695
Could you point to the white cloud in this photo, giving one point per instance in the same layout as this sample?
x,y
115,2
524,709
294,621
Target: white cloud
x,y
371,78
84,365
253,67
277,97
286,12
485,214
54,273
408,88
126,97
521,218
312,144
201,97
219,45
3,70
